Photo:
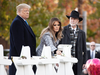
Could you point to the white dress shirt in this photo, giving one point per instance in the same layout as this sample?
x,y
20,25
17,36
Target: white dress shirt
x,y
93,53
73,29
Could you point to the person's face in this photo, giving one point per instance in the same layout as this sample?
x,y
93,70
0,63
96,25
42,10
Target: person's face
x,y
92,46
24,13
56,26
73,21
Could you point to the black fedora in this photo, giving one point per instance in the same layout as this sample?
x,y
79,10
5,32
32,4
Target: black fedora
x,y
75,14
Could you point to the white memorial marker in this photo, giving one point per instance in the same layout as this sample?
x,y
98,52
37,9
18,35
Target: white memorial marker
x,y
24,66
66,61
45,66
3,62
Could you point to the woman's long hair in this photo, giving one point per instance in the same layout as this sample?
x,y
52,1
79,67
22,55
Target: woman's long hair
x,y
50,29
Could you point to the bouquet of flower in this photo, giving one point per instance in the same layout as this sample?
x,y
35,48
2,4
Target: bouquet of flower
x,y
93,66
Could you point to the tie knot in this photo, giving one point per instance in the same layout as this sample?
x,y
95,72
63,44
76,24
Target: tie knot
x,y
26,22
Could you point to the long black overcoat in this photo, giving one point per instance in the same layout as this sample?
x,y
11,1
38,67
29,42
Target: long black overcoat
x,y
20,35
80,47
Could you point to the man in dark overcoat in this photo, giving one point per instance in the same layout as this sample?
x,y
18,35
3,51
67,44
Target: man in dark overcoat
x,y
92,53
21,35
76,37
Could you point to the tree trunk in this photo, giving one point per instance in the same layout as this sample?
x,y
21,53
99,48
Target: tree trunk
x,y
80,2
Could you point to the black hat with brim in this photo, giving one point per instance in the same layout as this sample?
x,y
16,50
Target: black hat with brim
x,y
75,14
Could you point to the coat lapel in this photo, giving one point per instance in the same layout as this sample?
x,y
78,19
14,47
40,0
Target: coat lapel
x,y
27,26
67,31
95,54
29,29
89,54
79,35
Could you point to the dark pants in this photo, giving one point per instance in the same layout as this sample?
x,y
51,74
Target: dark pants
x,y
75,69
12,69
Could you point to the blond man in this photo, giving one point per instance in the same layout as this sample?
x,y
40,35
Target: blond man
x,y
21,34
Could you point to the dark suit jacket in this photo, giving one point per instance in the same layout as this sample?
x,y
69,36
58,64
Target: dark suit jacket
x,y
20,35
80,47
97,54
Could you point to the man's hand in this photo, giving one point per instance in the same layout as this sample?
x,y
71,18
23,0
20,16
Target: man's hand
x,y
84,69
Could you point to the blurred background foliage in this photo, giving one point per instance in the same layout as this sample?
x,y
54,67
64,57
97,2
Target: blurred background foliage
x,y
43,10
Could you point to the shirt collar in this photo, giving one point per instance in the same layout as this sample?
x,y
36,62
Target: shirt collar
x,y
92,51
73,28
